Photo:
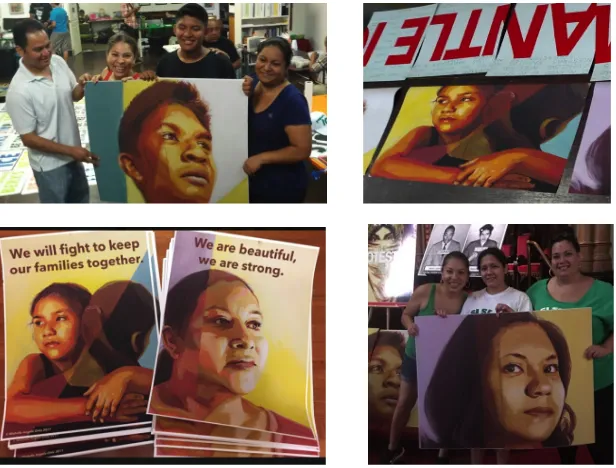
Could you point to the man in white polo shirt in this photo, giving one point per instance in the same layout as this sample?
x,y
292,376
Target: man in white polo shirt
x,y
40,103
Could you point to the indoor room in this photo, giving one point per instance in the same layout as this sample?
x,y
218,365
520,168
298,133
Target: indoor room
x,y
87,46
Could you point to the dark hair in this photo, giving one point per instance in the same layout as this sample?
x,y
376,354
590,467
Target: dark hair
x,y
486,227
77,296
495,252
392,338
454,402
451,227
282,44
567,235
396,229
181,303
128,308
160,93
598,165
125,38
23,28
456,255
194,10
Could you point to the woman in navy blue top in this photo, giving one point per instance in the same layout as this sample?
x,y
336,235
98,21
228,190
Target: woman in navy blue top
x,y
279,129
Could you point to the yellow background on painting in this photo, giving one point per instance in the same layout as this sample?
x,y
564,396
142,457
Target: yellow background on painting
x,y
578,331
416,111
414,419
20,290
131,89
286,306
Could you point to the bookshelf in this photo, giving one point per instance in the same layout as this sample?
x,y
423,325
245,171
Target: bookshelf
x,y
261,19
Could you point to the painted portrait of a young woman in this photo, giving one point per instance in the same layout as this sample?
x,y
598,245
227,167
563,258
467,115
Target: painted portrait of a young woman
x,y
516,136
215,353
505,382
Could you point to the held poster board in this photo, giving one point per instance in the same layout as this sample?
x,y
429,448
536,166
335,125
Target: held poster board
x,y
169,141
517,381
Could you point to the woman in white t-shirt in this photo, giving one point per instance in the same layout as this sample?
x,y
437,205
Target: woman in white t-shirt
x,y
495,298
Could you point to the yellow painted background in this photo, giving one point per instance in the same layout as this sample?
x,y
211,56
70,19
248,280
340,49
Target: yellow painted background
x,y
284,386
416,111
131,89
578,330
20,290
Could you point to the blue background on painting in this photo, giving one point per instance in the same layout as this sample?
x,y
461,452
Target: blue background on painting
x,y
562,144
142,276
104,110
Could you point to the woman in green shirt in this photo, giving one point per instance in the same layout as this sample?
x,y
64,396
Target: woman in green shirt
x,y
447,297
570,289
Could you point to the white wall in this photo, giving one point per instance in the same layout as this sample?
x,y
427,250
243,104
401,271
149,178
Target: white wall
x,y
109,8
310,19
5,11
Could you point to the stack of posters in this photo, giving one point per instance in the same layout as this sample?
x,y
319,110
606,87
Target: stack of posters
x,y
226,343
233,375
81,334
391,262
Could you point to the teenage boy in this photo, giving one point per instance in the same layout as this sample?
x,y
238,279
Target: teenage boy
x,y
193,59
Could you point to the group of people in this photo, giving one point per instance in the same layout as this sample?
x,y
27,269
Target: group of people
x,y
279,123
567,289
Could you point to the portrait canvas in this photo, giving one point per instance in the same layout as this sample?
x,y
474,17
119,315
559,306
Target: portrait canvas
x,y
378,104
236,330
169,141
80,333
513,136
391,256
518,381
592,171
385,355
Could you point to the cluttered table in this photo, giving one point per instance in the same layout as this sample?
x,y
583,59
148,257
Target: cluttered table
x,y
163,238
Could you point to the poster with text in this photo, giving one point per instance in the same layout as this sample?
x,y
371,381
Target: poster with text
x,y
444,239
80,332
510,136
86,448
603,53
391,42
236,340
547,39
518,381
391,262
385,356
169,141
462,39
378,105
592,171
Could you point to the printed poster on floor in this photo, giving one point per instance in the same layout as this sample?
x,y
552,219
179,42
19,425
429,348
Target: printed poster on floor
x,y
518,381
80,332
236,327
169,141
510,136
378,105
391,256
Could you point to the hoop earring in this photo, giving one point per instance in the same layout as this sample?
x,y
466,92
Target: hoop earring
x,y
551,273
